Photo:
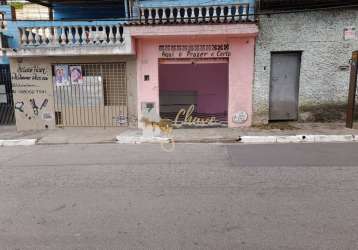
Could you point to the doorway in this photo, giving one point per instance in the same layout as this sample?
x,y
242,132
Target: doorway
x,y
7,115
198,86
284,86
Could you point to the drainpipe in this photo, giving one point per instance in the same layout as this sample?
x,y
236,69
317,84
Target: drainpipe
x,y
126,8
352,90
50,13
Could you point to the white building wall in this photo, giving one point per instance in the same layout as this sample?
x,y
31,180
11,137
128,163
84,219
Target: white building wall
x,y
323,83
32,12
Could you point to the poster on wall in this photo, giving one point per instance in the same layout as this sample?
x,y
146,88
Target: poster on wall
x,y
350,33
61,75
76,74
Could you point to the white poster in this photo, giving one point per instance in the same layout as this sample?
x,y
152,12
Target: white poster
x,y
76,74
61,75
350,33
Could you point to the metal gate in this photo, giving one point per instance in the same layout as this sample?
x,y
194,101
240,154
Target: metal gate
x,y
200,87
7,116
284,85
90,95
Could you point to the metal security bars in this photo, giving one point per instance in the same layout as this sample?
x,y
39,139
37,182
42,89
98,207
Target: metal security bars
x,y
7,116
93,95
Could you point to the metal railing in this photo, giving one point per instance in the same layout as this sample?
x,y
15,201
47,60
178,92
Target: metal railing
x,y
112,33
72,35
197,14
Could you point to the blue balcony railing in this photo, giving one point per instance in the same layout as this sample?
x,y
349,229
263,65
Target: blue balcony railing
x,y
58,34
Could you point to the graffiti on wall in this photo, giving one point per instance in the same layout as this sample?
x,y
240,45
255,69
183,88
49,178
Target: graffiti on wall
x,y
185,118
194,51
32,96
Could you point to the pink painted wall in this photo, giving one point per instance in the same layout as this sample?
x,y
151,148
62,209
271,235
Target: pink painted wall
x,y
210,81
241,70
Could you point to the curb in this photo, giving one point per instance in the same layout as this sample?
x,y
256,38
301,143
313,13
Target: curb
x,y
240,140
244,139
140,139
298,139
19,142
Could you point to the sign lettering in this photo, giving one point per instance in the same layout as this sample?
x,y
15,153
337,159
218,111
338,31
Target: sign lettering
x,y
195,51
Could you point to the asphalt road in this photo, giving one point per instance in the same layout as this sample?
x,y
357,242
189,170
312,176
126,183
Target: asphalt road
x,y
289,196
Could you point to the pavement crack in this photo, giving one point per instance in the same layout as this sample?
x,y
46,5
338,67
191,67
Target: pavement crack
x,y
63,206
228,155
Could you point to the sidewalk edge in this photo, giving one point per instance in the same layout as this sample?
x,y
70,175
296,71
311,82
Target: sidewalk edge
x,y
18,142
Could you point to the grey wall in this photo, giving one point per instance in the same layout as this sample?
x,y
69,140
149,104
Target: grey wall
x,y
319,35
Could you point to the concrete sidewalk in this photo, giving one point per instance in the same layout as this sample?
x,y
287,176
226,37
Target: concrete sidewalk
x,y
207,135
276,132
64,135
275,129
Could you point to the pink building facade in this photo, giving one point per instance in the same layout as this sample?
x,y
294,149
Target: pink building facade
x,y
219,81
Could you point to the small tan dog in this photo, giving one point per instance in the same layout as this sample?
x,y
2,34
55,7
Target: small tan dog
x,y
165,126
